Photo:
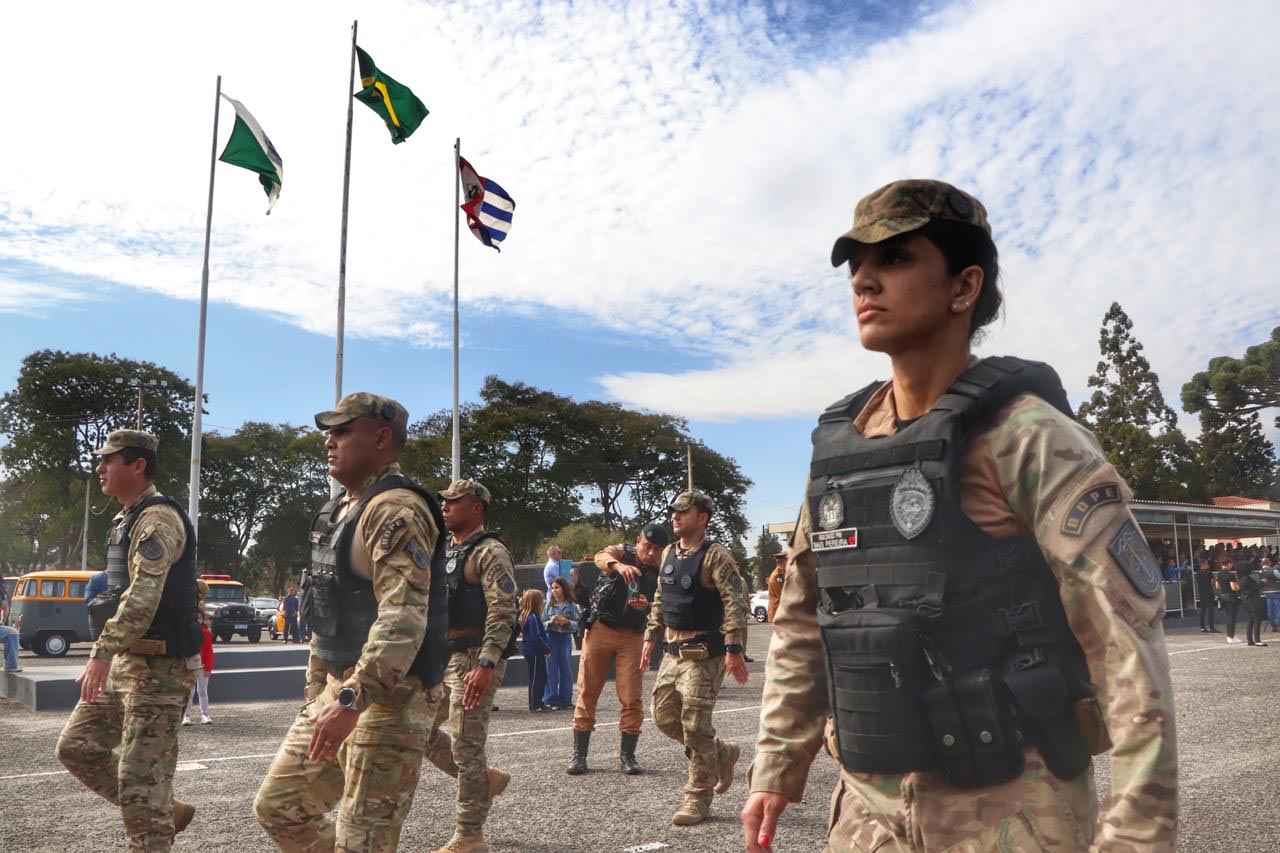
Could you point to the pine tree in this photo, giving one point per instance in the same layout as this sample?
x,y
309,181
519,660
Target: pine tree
x,y
1236,456
1136,428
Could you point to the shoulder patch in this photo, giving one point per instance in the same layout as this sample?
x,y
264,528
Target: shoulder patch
x,y
507,584
151,548
1084,505
417,552
389,530
1131,553
736,581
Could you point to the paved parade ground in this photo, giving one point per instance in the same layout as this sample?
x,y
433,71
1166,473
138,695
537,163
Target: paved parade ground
x,y
1228,731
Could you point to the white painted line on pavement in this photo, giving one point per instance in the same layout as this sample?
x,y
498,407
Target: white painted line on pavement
x,y
33,775
184,766
1202,649
646,848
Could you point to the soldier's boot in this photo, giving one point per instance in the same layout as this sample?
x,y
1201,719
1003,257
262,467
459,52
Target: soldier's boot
x,y
627,756
581,740
459,843
498,781
726,759
695,810
182,815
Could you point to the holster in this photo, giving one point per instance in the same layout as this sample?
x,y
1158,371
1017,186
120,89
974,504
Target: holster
x,y
875,676
1042,695
101,608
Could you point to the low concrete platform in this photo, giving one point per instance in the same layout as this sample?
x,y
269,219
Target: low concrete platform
x,y
241,673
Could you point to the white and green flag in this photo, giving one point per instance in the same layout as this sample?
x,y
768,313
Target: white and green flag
x,y
250,149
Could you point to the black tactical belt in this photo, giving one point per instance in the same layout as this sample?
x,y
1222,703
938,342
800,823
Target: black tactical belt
x,y
714,644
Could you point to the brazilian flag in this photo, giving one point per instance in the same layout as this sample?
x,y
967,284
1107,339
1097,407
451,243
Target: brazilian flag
x,y
398,106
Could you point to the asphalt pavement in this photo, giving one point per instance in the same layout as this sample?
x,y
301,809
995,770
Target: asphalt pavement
x,y
1228,719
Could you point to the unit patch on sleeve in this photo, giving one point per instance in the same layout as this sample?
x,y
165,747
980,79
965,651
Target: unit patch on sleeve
x,y
389,531
1086,503
150,548
421,558
1131,553
507,584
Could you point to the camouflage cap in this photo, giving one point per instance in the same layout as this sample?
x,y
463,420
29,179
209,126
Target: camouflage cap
x,y
687,499
656,534
362,404
124,438
904,206
458,488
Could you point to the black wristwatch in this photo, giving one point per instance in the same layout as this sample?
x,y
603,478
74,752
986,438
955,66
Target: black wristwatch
x,y
347,698
485,662
733,648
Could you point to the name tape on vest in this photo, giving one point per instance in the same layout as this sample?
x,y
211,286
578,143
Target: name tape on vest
x,y
834,540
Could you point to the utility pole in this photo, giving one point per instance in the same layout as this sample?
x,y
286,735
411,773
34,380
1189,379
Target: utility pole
x,y
84,536
139,384
688,458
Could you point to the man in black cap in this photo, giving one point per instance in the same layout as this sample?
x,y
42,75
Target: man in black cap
x,y
619,610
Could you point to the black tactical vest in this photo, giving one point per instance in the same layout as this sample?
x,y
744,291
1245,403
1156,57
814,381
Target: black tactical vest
x,y
175,619
686,604
467,608
340,605
611,594
946,648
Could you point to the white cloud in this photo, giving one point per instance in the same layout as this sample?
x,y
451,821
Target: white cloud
x,y
671,156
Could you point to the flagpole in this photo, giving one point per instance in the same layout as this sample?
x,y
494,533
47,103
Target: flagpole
x,y
197,432
342,251
457,184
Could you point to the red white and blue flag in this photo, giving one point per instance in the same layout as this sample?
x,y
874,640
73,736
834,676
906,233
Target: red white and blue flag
x,y
488,207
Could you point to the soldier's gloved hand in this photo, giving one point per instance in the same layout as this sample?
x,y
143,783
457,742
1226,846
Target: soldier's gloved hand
x,y
760,820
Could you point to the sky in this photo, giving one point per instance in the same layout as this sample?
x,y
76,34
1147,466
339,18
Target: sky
x,y
680,171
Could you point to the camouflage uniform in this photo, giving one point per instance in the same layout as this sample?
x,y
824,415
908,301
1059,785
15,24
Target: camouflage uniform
x,y
684,694
1029,469
460,752
139,711
375,773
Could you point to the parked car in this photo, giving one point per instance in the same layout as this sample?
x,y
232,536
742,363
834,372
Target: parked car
x,y
51,606
265,606
760,605
228,610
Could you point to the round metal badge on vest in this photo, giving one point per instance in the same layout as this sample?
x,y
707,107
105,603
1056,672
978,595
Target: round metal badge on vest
x,y
451,564
830,511
686,581
912,503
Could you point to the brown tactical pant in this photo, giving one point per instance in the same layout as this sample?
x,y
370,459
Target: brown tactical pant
x,y
602,647
138,713
372,779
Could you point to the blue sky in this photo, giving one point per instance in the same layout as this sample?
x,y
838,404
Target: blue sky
x,y
680,171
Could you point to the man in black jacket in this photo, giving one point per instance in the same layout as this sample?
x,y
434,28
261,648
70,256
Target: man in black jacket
x,y
619,608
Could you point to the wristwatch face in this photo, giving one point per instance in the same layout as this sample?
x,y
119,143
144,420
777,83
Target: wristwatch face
x,y
347,698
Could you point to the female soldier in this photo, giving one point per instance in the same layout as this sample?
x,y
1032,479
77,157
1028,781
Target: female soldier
x,y
971,607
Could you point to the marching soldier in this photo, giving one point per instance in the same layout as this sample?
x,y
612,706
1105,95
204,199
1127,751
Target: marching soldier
x,y
971,609
145,654
482,621
375,597
700,614
620,606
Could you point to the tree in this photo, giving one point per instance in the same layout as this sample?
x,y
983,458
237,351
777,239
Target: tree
x,y
1236,457
1238,386
582,538
762,563
63,407
1136,428
261,473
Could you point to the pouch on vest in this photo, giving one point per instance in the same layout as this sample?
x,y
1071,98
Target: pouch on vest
x,y
875,675
319,603
1041,694
975,730
101,608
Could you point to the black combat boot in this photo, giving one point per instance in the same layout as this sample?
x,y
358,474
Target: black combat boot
x,y
581,740
627,757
